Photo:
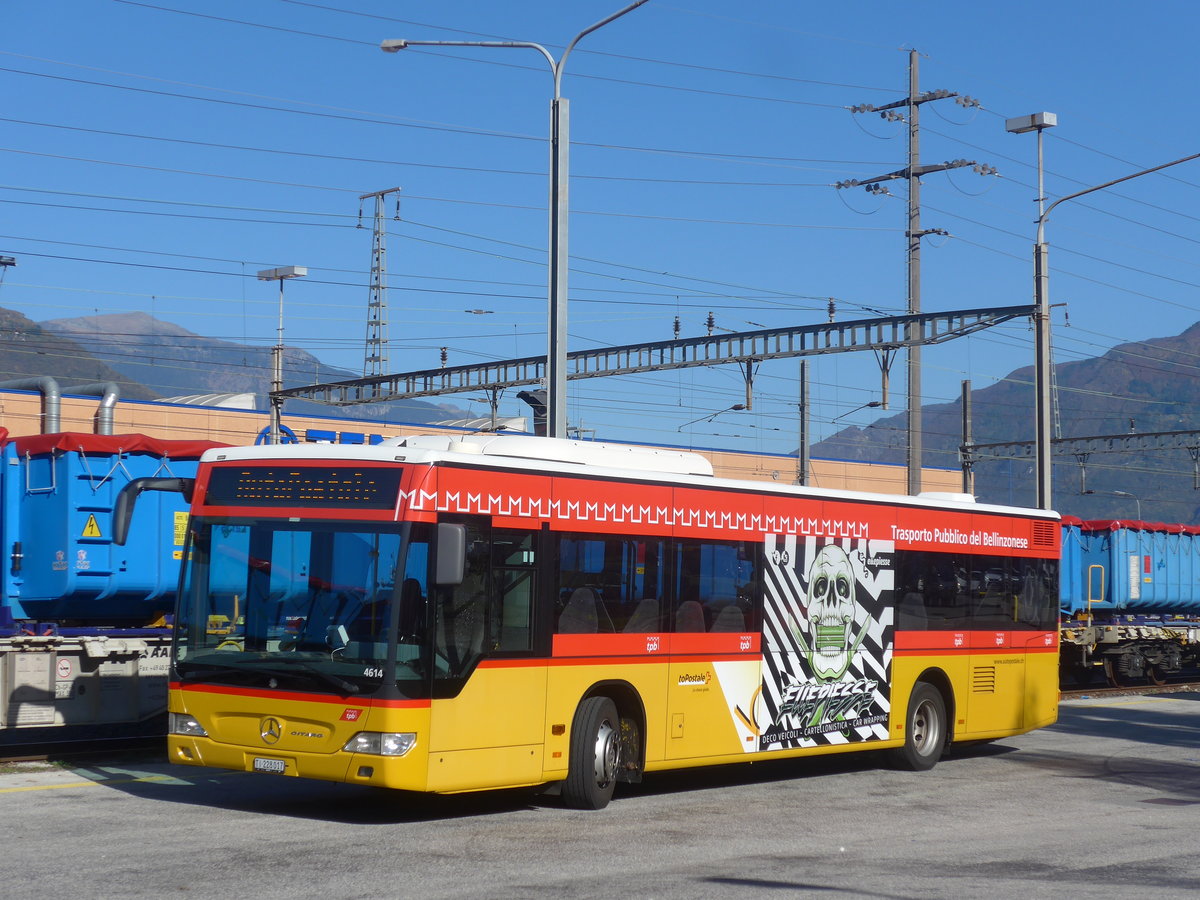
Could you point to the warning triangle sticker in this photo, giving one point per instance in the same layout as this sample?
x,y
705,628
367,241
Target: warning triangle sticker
x,y
92,528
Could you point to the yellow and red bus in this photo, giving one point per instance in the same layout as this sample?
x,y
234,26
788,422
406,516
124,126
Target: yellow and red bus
x,y
453,614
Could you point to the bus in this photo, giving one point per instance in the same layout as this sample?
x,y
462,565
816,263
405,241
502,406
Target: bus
x,y
448,614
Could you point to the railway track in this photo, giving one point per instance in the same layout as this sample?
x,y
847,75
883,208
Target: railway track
x,y
57,751
1171,687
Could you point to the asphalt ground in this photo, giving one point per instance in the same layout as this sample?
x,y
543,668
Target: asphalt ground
x,y
1106,803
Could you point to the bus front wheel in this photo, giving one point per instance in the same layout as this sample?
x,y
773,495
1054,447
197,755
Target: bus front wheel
x,y
924,729
595,755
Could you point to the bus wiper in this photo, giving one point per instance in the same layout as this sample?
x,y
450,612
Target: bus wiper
x,y
210,670
348,687
263,667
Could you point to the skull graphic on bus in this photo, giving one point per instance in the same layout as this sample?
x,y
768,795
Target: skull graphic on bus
x,y
831,605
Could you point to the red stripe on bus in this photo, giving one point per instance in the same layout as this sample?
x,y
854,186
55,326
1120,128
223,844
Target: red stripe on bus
x,y
351,699
655,644
600,660
976,651
908,642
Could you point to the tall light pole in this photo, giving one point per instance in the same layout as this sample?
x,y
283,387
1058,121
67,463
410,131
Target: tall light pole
x,y
280,274
1039,122
1132,497
1041,295
560,149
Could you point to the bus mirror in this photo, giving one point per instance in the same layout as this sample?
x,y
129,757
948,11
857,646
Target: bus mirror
x,y
337,637
451,553
123,509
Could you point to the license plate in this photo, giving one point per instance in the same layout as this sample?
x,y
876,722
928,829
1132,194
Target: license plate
x,y
273,766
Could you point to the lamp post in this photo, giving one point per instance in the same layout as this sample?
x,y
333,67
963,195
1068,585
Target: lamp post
x,y
1041,295
1132,497
874,404
1039,122
280,274
560,148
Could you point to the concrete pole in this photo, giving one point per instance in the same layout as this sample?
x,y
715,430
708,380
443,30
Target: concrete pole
x,y
802,453
968,438
556,355
914,279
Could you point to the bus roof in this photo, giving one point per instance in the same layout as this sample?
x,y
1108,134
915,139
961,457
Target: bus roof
x,y
603,460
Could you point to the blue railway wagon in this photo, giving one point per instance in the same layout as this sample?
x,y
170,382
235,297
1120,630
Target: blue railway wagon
x,y
84,636
1130,594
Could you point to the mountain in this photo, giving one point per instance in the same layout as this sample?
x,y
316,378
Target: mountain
x,y
173,362
1145,387
29,351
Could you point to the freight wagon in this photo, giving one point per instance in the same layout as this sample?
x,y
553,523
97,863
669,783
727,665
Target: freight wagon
x,y
84,624
1130,600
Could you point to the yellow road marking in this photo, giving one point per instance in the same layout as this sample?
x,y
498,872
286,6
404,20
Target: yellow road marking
x,y
106,781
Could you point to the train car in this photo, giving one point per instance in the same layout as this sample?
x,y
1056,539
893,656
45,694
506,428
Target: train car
x,y
1130,595
84,623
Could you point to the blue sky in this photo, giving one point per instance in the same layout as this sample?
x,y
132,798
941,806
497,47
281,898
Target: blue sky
x,y
155,156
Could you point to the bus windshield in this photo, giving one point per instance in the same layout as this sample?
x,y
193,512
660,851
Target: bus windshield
x,y
305,606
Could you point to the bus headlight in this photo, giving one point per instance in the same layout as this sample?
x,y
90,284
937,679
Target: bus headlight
x,y
382,743
184,724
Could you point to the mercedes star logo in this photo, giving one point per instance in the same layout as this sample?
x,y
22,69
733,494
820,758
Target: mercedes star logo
x,y
271,730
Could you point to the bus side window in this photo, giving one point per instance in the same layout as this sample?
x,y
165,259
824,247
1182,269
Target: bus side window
x,y
461,609
716,588
609,585
995,602
962,591
910,595
1035,588
641,586
514,579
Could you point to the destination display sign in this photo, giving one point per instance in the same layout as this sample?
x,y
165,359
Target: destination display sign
x,y
319,486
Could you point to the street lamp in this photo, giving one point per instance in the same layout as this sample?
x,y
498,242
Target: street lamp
x,y
560,148
1038,122
1134,499
874,404
1122,494
711,416
280,274
1041,295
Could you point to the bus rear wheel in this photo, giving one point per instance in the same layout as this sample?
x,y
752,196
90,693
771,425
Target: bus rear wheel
x,y
595,755
924,729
